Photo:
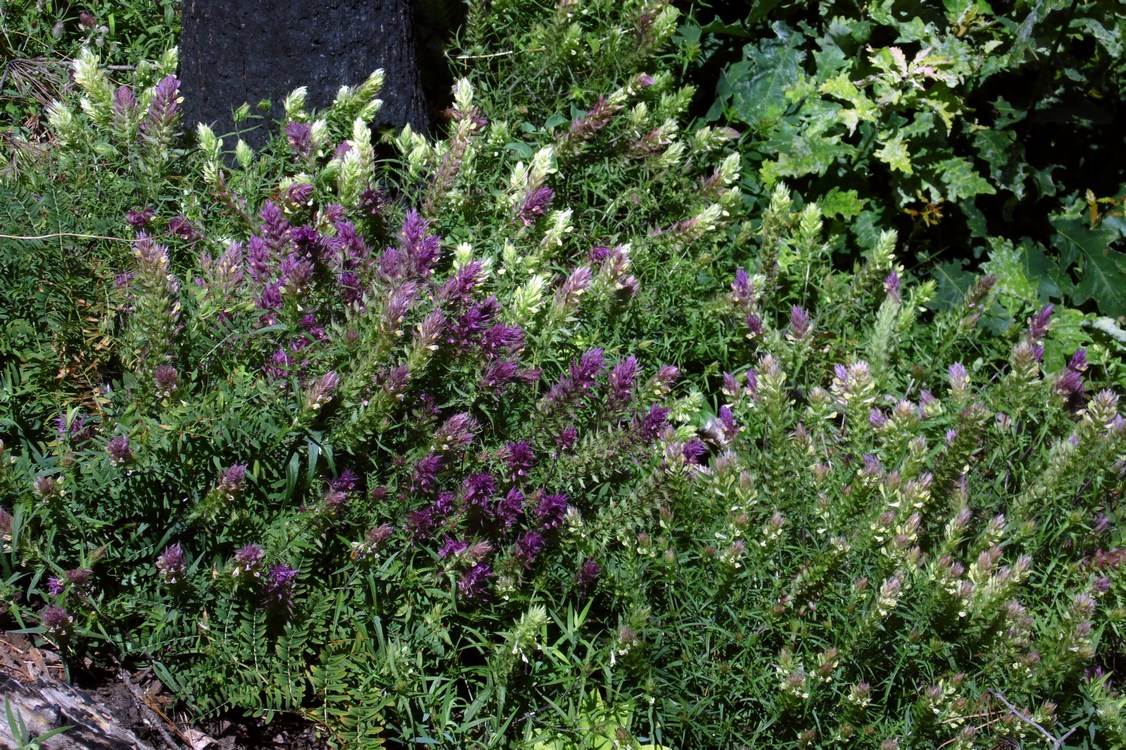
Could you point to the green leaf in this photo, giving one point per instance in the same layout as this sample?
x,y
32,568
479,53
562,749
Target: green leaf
x,y
953,281
1068,334
999,149
961,180
894,153
846,204
756,87
1103,269
1104,281
1005,263
863,108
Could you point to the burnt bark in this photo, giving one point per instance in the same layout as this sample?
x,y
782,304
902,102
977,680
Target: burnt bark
x,y
254,50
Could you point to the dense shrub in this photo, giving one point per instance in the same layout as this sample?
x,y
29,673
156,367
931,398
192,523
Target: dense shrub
x,y
533,437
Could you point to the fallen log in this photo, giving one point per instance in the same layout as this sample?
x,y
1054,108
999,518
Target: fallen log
x,y
41,706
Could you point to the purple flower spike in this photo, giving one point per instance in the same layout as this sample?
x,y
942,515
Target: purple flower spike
x,y
651,425
579,381
460,286
422,523
1078,361
124,102
455,433
596,119
300,137
396,380
1070,385
518,459
959,378
535,204
754,326
550,511
1040,323
279,586
891,287
510,508
320,392
528,547
621,381
800,324
118,450
565,440
598,254
474,582
498,374
170,564
378,536
347,481
730,386
420,249
56,619
426,472
586,368
451,547
48,488
54,586
568,293
231,479
248,559
752,382
694,450
78,432
477,489
502,339
587,576
180,226
299,194
742,290
163,110
139,219
166,378
666,378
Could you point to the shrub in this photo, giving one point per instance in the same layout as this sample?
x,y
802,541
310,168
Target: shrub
x,y
531,437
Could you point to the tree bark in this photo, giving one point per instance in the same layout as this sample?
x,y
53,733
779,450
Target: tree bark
x,y
250,50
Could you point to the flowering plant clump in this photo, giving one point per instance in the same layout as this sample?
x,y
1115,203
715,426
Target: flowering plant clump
x,y
534,435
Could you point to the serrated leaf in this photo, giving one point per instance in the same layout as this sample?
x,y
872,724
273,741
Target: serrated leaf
x,y
846,204
807,155
893,152
1005,263
863,109
1075,240
1110,40
961,180
1104,281
1103,269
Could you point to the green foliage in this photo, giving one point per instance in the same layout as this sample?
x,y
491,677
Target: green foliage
x,y
575,427
956,110
855,565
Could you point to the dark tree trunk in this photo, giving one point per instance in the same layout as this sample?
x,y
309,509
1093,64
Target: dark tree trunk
x,y
250,50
